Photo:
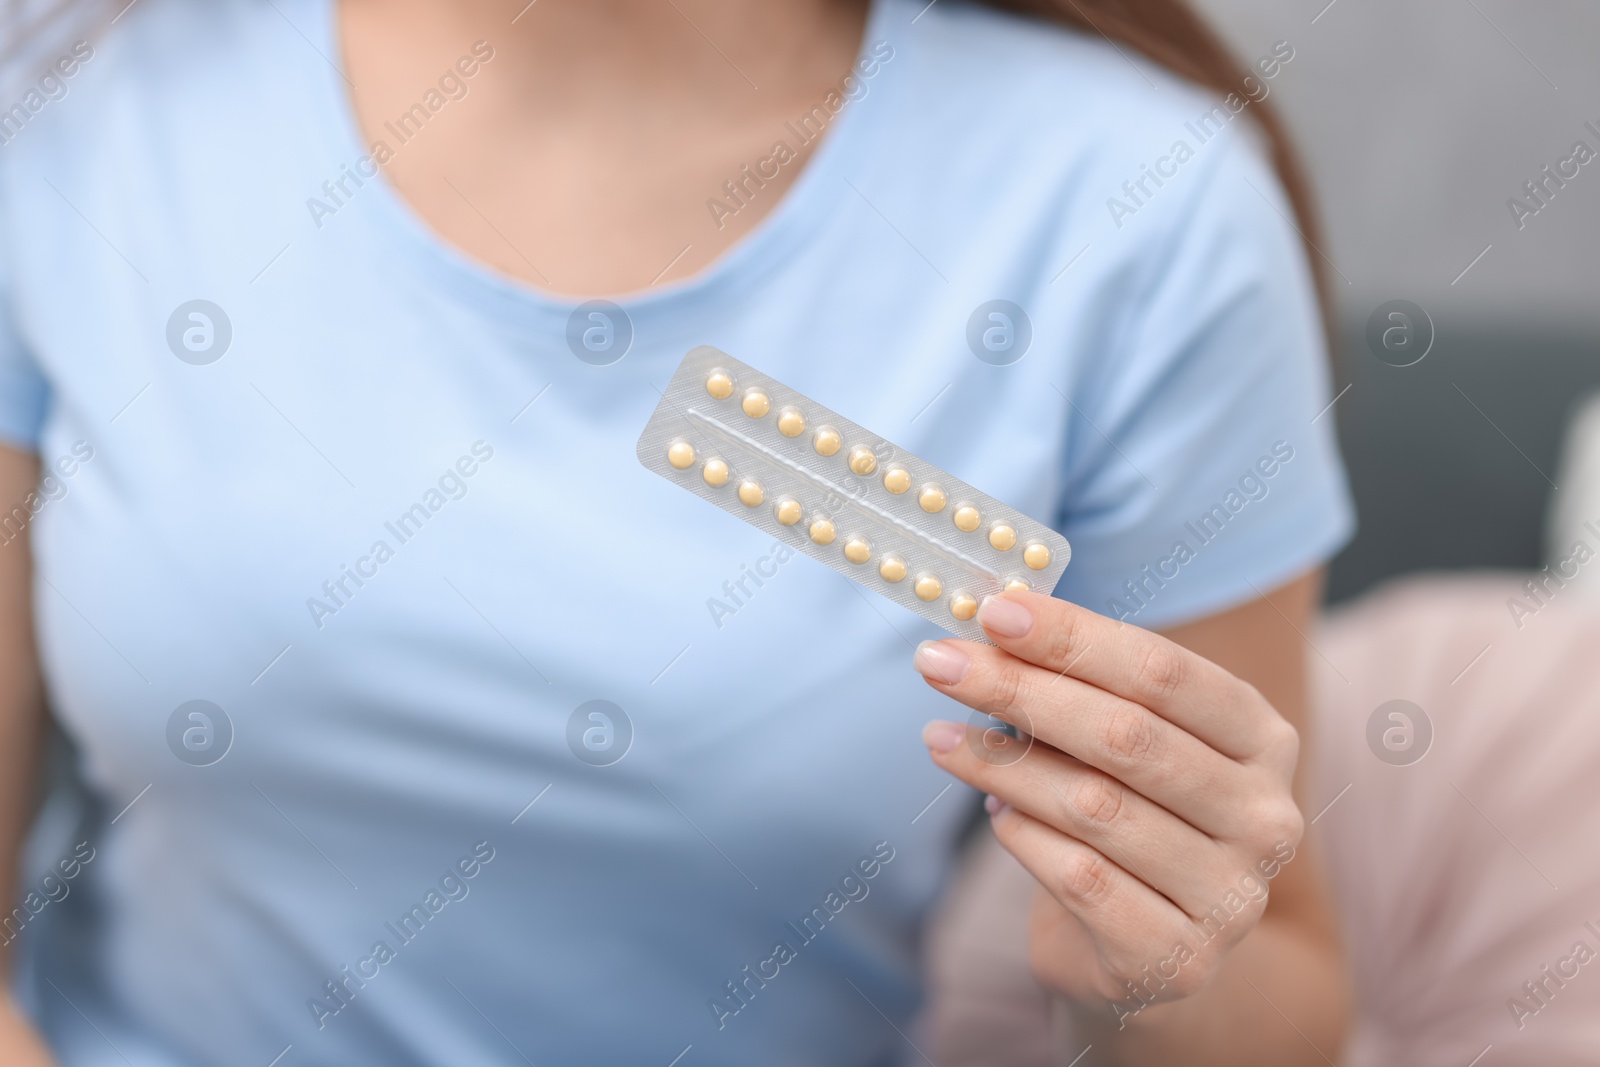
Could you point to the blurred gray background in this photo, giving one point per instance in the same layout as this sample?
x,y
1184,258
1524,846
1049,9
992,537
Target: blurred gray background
x,y
1418,120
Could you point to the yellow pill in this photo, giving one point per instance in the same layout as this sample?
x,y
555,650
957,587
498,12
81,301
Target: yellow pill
x,y
1002,537
863,460
756,403
892,569
928,587
826,441
719,384
787,511
857,550
897,480
681,455
963,606
1018,585
1036,556
967,518
931,498
715,472
791,423
751,494
823,531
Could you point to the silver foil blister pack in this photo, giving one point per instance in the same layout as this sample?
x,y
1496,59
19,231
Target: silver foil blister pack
x,y
843,495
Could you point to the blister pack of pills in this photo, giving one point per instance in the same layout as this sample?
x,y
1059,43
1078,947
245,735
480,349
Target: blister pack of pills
x,y
815,480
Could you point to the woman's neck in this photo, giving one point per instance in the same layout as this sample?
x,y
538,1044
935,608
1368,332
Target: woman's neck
x,y
600,127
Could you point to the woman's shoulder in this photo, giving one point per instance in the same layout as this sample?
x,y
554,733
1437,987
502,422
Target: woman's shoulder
x,y
1011,128
159,64
1014,116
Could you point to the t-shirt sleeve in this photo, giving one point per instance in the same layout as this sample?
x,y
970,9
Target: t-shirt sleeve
x,y
24,394
1200,467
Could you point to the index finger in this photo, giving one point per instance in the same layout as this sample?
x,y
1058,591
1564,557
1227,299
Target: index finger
x,y
1186,689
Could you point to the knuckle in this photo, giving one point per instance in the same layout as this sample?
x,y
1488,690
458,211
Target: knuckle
x,y
1283,740
1085,878
1194,976
1007,827
1006,688
1293,826
1277,820
1098,801
1162,671
1130,734
1061,641
1248,694
1279,739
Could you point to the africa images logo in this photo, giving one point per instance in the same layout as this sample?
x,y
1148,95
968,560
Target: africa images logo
x,y
852,888
339,991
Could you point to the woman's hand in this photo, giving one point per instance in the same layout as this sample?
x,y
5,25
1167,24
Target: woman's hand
x,y
1150,792
22,732
20,1044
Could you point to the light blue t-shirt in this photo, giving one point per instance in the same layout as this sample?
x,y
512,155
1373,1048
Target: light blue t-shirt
x,y
369,507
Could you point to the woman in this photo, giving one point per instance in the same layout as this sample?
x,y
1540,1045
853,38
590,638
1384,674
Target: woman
x,y
296,299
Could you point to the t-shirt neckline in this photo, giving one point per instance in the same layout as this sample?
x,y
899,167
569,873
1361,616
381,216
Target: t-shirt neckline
x,y
799,214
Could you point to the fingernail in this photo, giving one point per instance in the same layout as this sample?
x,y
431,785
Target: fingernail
x,y
1005,617
942,736
941,662
993,804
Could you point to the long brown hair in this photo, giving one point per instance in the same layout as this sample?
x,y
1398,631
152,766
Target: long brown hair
x,y
1173,34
